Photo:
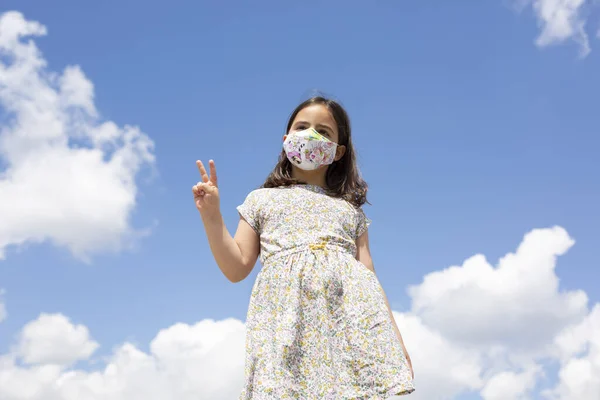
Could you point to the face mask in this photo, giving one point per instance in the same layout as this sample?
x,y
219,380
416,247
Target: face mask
x,y
309,150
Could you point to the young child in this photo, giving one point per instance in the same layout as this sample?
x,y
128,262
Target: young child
x,y
319,325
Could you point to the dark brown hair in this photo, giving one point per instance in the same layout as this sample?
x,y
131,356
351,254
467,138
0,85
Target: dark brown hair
x,y
342,177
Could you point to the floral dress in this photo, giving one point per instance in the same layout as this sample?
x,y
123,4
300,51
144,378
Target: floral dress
x,y
317,324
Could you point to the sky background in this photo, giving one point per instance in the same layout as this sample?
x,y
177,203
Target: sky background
x,y
475,123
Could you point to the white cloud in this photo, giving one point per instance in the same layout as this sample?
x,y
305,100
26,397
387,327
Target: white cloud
x,y
443,370
53,339
205,360
516,304
579,346
511,385
489,329
69,177
34,383
185,362
561,20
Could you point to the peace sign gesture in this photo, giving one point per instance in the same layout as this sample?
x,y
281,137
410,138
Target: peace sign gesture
x,y
206,192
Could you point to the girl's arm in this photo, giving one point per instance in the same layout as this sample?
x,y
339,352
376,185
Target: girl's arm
x,y
364,256
235,256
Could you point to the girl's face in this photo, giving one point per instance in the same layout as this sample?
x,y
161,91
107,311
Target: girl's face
x,y
320,119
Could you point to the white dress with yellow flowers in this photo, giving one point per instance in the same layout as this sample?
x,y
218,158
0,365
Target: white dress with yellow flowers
x,y
317,325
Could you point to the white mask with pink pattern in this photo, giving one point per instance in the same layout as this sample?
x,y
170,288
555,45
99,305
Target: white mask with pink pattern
x,y
309,150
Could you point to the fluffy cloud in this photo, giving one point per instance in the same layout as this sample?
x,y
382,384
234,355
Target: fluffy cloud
x,y
53,339
579,346
185,362
68,177
499,324
510,385
443,369
516,304
560,20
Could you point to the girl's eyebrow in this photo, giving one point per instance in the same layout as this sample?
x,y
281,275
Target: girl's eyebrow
x,y
320,126
325,126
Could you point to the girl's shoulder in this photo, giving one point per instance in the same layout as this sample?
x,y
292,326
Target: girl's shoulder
x,y
261,196
261,192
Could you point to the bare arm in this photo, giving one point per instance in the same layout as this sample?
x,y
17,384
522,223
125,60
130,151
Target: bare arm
x,y
235,256
364,256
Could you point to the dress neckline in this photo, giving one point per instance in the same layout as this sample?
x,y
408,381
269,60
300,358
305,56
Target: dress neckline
x,y
308,186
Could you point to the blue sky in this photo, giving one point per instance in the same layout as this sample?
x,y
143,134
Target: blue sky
x,y
469,134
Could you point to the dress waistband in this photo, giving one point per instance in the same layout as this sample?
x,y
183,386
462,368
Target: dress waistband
x,y
323,245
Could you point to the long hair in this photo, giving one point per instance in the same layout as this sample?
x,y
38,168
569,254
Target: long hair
x,y
342,177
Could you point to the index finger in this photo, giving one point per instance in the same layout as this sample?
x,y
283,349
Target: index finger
x,y
202,170
213,172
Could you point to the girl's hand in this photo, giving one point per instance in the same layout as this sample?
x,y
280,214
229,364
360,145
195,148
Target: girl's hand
x,y
206,192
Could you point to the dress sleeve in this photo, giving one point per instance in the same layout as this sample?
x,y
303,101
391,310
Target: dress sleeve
x,y
362,223
249,210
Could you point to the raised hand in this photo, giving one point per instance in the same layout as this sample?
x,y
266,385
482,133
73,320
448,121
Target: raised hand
x,y
206,192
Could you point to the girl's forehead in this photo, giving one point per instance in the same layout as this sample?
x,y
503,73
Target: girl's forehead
x,y
316,114
315,111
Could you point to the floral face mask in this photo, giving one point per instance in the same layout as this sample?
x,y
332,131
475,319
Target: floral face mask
x,y
309,150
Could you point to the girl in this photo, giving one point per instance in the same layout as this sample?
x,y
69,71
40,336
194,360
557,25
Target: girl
x,y
319,325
